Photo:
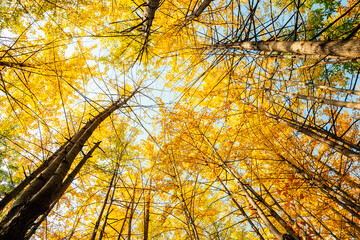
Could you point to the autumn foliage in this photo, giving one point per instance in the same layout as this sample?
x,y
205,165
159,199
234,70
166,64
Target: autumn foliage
x,y
150,119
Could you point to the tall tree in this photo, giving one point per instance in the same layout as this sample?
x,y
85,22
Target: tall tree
x,y
54,179
255,132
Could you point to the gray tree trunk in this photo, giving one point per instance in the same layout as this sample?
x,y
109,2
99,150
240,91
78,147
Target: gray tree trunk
x,y
336,103
197,12
349,49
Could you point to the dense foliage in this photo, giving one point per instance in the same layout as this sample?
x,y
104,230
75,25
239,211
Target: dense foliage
x,y
150,119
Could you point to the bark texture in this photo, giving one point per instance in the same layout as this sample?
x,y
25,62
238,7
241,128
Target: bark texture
x,y
197,12
349,49
52,183
11,195
149,14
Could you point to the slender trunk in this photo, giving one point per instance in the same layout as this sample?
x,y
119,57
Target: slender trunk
x,y
339,174
15,65
273,213
277,203
333,136
71,176
132,208
349,49
347,220
147,214
324,87
123,224
318,63
190,221
336,103
107,213
241,210
344,199
330,143
261,213
292,235
318,220
93,235
113,184
332,89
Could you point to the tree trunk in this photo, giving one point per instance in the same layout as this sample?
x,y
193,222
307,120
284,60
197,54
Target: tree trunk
x,y
20,187
147,203
149,14
344,199
105,223
349,49
245,190
241,209
46,187
336,103
330,143
196,13
132,211
62,190
97,224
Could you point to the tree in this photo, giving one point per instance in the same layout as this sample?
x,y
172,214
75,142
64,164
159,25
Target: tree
x,y
255,132
45,190
348,49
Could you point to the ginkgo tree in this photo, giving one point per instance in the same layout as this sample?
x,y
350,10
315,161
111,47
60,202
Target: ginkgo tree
x,y
255,133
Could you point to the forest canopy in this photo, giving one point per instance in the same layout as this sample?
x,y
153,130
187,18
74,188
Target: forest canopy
x,y
206,119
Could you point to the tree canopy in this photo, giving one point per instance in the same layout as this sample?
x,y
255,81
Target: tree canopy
x,y
206,119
